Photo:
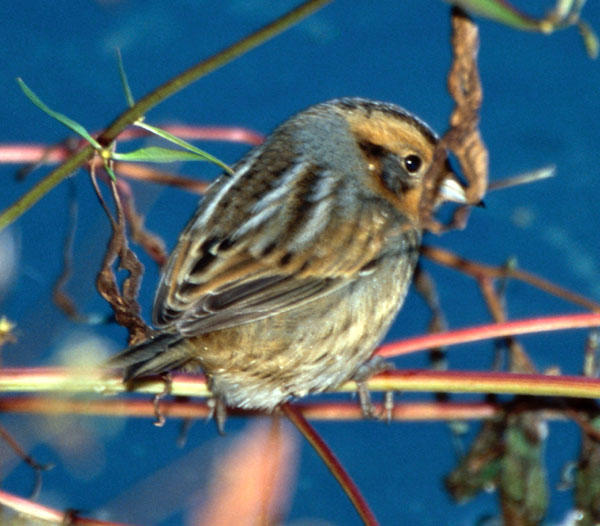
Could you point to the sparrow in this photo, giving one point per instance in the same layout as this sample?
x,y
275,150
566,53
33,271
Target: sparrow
x,y
293,266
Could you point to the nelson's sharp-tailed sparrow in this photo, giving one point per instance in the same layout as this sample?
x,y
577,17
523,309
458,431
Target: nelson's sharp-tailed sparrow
x,y
292,269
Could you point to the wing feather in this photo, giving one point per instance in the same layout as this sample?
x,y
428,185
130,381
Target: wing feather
x,y
277,234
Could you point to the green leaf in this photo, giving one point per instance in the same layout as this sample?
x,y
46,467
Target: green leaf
x,y
156,154
69,123
200,154
590,39
499,11
110,172
124,82
564,14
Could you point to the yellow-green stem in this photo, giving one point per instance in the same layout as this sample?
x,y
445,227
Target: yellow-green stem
x,y
164,91
72,381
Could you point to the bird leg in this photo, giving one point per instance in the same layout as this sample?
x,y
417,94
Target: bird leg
x,y
158,414
218,411
371,367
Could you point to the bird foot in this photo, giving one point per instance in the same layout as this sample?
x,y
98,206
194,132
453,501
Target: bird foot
x,y
218,411
158,414
370,368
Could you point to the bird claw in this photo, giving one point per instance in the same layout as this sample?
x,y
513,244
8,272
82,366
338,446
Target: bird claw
x,y
388,406
371,367
218,411
158,414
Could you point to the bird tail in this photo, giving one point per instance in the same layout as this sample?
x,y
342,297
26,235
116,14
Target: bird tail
x,y
157,355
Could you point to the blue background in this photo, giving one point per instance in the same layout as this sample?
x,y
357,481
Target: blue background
x,y
541,107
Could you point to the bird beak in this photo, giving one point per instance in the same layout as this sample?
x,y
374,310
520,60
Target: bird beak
x,y
452,189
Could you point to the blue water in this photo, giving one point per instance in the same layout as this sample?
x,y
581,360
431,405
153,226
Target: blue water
x,y
541,107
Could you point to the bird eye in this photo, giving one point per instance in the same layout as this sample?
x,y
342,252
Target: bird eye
x,y
412,163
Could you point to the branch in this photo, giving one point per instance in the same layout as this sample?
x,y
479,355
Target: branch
x,y
63,381
154,98
38,511
491,331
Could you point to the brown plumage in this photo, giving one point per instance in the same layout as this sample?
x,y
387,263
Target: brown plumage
x,y
292,269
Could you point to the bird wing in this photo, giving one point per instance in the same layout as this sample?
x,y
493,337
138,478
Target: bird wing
x,y
232,287
278,233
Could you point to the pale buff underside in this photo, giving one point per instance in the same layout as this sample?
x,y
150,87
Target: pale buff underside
x,y
274,359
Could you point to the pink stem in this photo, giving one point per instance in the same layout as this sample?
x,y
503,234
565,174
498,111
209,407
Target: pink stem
x,y
489,331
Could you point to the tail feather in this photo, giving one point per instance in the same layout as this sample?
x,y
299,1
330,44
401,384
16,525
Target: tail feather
x,y
157,355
